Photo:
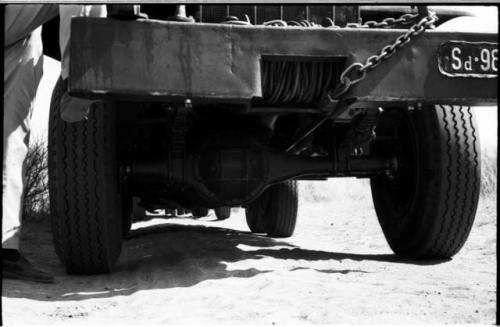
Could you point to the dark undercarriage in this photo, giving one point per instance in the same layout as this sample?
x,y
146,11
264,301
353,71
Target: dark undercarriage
x,y
179,154
220,110
183,156
206,154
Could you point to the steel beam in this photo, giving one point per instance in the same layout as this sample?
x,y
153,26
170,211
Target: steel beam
x,y
146,60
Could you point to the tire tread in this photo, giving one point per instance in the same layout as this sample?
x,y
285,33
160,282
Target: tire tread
x,y
439,224
85,235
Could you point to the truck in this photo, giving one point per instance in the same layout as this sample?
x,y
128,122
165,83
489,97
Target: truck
x,y
217,106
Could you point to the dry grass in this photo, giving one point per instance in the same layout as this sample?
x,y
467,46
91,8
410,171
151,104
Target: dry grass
x,y
489,173
36,193
339,190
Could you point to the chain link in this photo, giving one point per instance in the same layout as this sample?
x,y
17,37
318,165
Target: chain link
x,y
357,71
405,19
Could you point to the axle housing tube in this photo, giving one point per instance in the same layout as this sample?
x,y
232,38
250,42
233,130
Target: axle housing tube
x,y
231,177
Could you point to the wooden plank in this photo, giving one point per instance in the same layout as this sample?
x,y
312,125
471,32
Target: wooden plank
x,y
153,59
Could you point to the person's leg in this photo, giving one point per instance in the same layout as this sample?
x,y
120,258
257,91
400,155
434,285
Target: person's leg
x,y
23,70
22,19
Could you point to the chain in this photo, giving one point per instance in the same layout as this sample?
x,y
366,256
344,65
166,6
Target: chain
x,y
405,19
357,71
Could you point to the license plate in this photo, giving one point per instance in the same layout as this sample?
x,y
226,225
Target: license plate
x,y
468,59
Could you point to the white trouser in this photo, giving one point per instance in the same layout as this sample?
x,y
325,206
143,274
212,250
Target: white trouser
x,y
23,69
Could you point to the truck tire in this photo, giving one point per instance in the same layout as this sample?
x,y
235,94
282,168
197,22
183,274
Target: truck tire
x,y
254,214
275,211
200,212
427,208
222,213
85,201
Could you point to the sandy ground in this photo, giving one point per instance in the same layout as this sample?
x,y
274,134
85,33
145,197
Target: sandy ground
x,y
337,268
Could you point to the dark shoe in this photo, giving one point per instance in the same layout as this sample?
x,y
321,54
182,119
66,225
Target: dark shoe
x,y
15,266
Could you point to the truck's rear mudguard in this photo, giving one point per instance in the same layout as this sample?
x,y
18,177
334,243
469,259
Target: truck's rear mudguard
x,y
155,60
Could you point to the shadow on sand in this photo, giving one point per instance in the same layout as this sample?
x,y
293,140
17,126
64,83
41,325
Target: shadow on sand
x,y
170,255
